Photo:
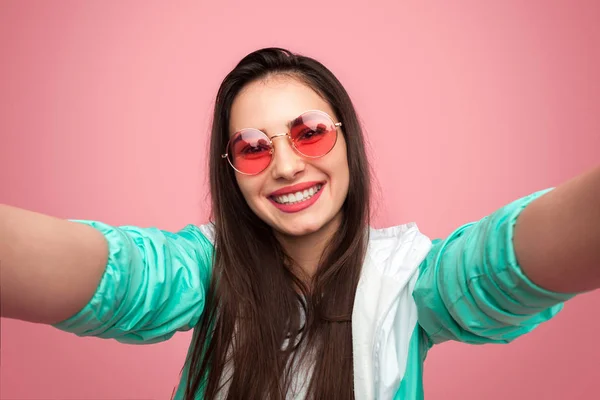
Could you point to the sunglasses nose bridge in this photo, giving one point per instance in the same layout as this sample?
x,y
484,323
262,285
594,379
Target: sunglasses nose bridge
x,y
279,135
281,152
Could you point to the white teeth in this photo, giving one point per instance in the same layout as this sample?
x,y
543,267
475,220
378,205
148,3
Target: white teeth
x,y
293,198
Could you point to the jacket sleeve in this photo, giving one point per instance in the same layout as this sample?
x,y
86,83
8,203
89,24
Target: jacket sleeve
x,y
471,288
154,285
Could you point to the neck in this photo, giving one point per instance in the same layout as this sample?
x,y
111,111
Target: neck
x,y
306,250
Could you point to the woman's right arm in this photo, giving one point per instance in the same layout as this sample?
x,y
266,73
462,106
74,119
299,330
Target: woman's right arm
x,y
49,267
92,279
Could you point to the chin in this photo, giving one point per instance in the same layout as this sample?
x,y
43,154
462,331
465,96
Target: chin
x,y
298,230
304,227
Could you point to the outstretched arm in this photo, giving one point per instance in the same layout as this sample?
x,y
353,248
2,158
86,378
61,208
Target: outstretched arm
x,y
496,279
557,236
132,284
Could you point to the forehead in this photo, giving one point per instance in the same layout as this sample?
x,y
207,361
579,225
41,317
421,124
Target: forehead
x,y
271,104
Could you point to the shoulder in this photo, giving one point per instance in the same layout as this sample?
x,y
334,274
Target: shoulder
x,y
404,233
391,267
207,230
396,248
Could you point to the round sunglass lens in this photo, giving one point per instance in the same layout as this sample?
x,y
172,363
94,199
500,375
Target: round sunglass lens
x,y
250,151
314,134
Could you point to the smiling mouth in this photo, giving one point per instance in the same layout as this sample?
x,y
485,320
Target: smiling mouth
x,y
298,197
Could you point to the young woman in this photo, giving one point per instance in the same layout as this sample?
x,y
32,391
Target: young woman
x,y
290,293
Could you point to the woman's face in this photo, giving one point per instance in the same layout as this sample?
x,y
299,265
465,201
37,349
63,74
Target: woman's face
x,y
270,105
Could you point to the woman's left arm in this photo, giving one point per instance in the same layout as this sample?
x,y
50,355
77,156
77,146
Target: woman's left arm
x,y
495,279
557,236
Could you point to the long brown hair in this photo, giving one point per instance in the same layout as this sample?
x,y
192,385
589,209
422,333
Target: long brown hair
x,y
260,318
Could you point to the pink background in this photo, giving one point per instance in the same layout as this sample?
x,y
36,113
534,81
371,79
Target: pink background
x,y
104,114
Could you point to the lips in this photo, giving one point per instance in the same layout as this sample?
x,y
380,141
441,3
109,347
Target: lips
x,y
300,187
298,196
300,205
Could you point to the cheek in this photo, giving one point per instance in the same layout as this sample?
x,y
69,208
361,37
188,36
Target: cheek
x,y
244,187
250,189
343,179
342,171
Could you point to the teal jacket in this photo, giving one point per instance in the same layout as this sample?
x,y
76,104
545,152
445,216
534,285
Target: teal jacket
x,y
413,293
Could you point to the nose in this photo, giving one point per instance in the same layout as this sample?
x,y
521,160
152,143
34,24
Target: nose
x,y
287,163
